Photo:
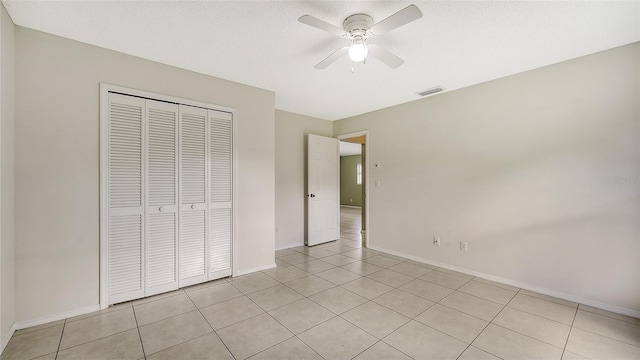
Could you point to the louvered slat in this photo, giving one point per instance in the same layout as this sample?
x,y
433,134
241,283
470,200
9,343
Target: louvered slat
x,y
125,254
193,162
219,240
125,155
161,249
220,160
162,157
192,244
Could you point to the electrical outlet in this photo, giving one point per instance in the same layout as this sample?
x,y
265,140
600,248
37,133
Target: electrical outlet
x,y
436,241
463,246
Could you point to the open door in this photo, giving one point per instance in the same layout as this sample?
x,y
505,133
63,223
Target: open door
x,y
323,179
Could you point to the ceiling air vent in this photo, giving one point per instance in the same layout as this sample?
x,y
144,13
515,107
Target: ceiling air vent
x,y
431,91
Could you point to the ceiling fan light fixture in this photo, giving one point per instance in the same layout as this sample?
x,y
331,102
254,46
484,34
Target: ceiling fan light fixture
x,y
358,50
357,28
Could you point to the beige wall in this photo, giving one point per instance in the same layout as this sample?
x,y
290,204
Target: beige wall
x,y
7,288
539,172
291,131
57,164
350,192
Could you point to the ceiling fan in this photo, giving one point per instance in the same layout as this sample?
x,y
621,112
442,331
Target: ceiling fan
x,y
358,28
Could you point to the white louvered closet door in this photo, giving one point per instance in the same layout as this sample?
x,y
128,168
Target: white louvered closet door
x,y
125,177
193,195
220,190
162,197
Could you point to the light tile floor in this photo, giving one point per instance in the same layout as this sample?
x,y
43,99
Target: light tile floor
x,y
339,301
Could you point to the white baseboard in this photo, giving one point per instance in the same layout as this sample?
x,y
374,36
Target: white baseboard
x,y
540,290
351,206
7,337
255,269
56,317
289,246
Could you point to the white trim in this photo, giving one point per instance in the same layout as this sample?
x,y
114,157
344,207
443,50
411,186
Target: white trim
x,y
105,89
351,207
557,294
7,337
290,246
56,317
367,175
255,269
164,97
104,209
234,193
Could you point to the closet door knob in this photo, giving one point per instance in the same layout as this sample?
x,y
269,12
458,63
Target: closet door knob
x,y
193,206
161,209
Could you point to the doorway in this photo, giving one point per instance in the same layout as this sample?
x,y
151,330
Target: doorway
x,y
353,187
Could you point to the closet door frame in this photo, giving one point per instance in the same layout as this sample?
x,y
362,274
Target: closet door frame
x,y
105,89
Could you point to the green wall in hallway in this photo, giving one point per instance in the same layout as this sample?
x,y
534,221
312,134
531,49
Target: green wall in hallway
x,y
350,192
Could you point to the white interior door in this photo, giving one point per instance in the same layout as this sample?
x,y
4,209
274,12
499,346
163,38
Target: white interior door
x,y
193,202
323,181
162,197
125,226
220,191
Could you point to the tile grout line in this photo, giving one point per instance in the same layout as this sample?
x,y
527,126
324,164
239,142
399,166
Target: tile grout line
x,y
393,347
540,316
99,312
333,317
529,336
371,301
489,323
575,314
281,324
517,332
98,338
149,301
607,337
61,334
607,316
208,323
133,310
552,302
571,327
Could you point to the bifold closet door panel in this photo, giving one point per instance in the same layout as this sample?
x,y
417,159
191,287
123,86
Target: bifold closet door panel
x,y
221,186
125,167
162,197
193,195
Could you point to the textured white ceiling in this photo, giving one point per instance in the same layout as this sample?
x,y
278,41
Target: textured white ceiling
x,y
261,43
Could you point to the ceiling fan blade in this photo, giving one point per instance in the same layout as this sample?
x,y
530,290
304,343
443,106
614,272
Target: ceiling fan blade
x,y
332,58
402,17
322,25
386,56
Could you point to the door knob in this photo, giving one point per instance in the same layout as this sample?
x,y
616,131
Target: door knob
x,y
193,206
161,209
311,195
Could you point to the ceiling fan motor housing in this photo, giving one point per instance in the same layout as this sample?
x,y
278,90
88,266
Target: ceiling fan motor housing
x,y
357,24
